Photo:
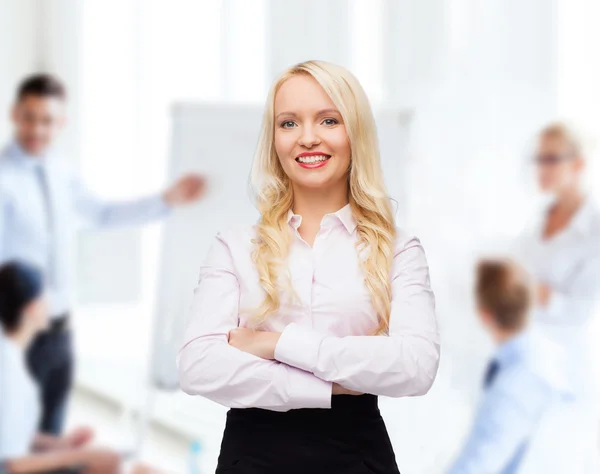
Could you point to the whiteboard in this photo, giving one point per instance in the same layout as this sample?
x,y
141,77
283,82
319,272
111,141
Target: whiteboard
x,y
219,140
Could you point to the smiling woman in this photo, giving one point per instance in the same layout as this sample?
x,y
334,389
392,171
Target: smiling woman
x,y
308,136
301,321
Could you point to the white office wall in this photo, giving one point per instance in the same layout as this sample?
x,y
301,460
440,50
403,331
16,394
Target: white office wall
x,y
19,52
59,34
578,74
40,36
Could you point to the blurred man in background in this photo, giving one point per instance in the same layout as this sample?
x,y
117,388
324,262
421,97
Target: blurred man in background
x,y
40,200
526,378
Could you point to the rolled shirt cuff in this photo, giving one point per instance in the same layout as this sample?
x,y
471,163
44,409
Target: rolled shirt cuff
x,y
299,347
311,392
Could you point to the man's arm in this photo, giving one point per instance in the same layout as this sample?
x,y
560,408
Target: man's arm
x,y
102,213
98,212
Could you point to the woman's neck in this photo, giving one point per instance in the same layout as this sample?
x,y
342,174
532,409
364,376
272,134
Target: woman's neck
x,y
21,337
313,205
569,201
561,212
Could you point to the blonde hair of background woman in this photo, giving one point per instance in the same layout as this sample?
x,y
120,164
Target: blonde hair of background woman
x,y
583,145
368,197
570,134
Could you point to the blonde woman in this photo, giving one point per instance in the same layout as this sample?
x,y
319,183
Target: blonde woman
x,y
561,248
300,322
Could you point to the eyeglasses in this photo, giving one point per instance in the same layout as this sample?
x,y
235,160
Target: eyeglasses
x,y
551,159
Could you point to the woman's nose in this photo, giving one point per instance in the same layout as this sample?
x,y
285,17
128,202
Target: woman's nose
x,y
308,137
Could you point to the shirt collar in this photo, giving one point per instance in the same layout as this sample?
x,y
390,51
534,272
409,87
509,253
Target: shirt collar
x,y
532,348
343,216
17,153
512,348
582,221
583,218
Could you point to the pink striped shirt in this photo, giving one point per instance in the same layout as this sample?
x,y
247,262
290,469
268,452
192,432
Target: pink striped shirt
x,y
325,330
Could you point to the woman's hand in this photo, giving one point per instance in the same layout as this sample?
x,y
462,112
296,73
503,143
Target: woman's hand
x,y
543,294
337,389
145,469
79,437
259,343
99,461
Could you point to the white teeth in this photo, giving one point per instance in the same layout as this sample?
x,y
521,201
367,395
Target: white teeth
x,y
312,159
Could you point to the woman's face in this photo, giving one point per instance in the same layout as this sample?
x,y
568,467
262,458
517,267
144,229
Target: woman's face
x,y
36,313
558,168
310,136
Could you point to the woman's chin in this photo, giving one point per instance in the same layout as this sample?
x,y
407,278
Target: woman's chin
x,y
315,181
314,184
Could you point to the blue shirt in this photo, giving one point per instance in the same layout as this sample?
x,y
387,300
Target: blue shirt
x,y
41,204
531,377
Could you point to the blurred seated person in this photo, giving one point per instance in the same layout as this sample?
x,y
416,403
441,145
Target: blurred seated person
x,y
23,314
525,380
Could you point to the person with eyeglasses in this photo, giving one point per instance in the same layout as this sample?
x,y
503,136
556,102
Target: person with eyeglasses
x,y
561,248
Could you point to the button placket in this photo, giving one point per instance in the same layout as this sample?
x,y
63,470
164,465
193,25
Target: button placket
x,y
313,264
303,273
318,248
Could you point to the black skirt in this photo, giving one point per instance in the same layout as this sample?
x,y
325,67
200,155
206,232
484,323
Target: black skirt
x,y
349,438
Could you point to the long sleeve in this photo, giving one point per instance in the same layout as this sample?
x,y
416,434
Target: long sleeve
x,y
403,363
572,304
210,367
102,213
504,424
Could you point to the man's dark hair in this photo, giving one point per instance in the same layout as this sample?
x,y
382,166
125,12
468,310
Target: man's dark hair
x,y
503,288
41,85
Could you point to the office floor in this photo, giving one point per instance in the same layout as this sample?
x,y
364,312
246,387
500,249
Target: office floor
x,y
161,448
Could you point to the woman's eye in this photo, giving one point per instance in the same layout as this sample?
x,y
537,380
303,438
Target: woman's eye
x,y
288,124
330,121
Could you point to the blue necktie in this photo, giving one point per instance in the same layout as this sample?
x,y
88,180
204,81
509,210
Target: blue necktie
x,y
515,462
47,197
43,180
491,373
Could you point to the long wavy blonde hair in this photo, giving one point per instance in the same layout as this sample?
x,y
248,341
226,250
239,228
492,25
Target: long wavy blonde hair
x,y
368,197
